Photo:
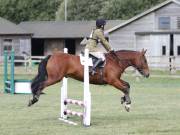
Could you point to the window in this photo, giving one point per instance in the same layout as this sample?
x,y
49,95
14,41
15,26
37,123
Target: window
x,y
7,43
178,50
163,50
164,22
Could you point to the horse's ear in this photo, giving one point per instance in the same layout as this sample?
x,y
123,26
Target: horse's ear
x,y
143,51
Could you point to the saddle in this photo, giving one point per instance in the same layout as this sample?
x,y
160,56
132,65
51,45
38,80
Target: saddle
x,y
94,60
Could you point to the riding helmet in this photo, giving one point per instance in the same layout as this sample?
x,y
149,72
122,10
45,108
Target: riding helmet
x,y
100,23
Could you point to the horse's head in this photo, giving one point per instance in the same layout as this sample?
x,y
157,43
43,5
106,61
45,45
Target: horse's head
x,y
141,64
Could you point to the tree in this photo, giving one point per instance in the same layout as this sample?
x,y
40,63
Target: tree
x,y
81,9
108,9
125,9
29,10
25,10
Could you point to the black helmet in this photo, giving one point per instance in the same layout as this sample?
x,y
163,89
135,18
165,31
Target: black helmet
x,y
100,23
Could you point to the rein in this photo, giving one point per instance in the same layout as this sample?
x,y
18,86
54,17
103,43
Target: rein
x,y
117,58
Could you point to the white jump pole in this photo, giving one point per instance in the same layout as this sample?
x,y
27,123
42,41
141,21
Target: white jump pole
x,y
87,94
64,93
86,103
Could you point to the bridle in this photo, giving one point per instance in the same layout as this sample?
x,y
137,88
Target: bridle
x,y
119,61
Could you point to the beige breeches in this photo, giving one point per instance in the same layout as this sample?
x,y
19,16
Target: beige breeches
x,y
98,55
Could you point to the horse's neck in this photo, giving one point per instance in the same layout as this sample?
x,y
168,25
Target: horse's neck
x,y
127,61
125,58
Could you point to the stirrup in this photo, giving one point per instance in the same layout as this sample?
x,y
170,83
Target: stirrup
x,y
93,72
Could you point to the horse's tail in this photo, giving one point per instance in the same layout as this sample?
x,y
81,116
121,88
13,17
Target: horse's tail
x,y
41,76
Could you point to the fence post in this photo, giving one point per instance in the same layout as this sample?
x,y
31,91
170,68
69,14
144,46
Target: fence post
x,y
172,67
12,72
5,69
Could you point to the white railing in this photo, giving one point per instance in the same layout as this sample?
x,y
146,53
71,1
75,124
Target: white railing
x,y
164,62
159,62
32,59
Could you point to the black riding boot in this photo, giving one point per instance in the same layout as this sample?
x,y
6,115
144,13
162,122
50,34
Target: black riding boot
x,y
99,61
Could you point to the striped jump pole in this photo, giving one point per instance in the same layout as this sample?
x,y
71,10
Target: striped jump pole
x,y
85,104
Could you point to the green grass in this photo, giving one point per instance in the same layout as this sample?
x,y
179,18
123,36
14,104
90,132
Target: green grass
x,y
155,110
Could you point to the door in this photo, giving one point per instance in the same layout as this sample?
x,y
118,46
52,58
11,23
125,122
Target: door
x,y
177,45
177,50
37,47
70,45
160,49
161,44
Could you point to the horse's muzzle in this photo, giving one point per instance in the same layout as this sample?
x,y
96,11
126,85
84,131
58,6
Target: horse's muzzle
x,y
146,75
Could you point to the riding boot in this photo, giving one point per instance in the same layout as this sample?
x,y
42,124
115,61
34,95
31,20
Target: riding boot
x,y
99,61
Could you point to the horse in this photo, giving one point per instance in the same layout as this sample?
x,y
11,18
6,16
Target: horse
x,y
54,67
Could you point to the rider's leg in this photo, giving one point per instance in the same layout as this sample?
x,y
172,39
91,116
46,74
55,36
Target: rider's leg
x,y
101,59
98,62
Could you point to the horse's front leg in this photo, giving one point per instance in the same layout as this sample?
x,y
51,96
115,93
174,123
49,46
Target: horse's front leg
x,y
125,88
126,98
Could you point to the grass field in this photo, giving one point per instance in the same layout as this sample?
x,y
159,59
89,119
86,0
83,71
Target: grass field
x,y
155,110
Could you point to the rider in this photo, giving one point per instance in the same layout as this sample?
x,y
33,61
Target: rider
x,y
97,35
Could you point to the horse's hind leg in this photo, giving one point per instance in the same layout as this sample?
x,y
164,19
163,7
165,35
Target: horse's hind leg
x,y
125,88
44,84
36,95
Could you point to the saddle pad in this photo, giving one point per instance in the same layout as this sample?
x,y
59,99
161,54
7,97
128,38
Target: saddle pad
x,y
90,62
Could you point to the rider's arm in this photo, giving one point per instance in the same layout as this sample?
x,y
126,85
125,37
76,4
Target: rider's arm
x,y
103,40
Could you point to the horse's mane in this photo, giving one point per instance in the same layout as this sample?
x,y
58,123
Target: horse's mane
x,y
125,51
122,51
123,55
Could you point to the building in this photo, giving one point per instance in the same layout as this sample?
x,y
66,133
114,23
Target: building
x,y
49,36
39,38
157,30
12,36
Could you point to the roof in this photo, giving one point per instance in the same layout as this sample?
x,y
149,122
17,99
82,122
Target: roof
x,y
62,29
158,32
142,15
9,28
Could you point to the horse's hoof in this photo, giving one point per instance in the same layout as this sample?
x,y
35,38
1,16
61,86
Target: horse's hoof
x,y
123,100
127,107
30,103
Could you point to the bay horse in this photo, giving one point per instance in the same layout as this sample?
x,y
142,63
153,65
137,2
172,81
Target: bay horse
x,y
53,68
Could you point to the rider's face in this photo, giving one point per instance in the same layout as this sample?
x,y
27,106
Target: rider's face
x,y
102,27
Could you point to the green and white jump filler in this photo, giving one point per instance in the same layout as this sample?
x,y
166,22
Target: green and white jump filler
x,y
11,85
86,103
